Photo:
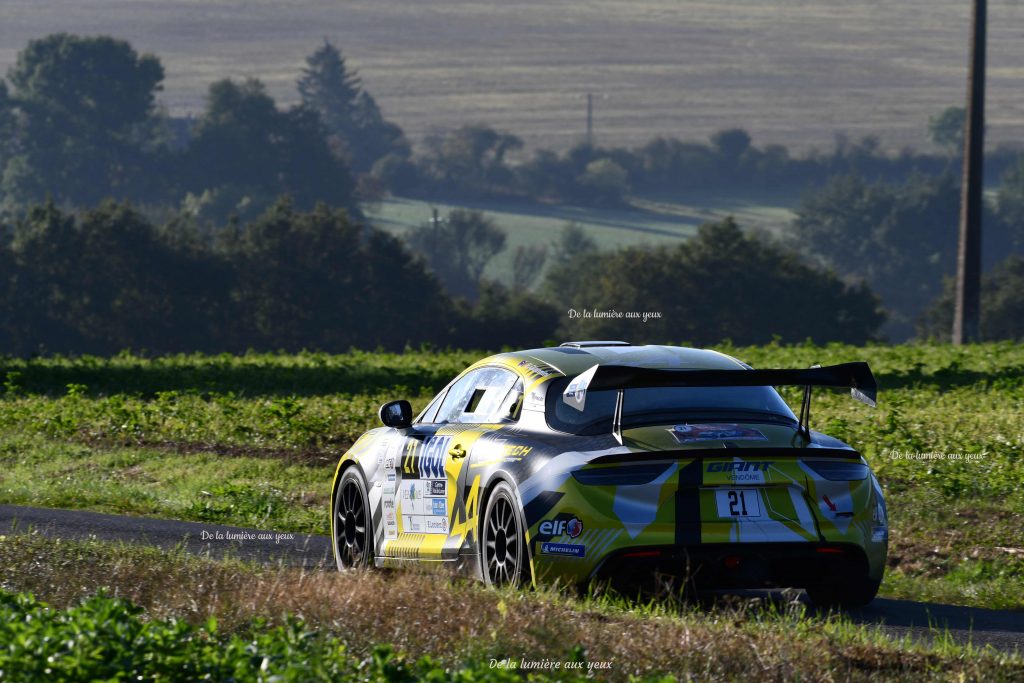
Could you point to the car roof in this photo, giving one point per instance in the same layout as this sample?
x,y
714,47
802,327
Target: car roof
x,y
571,360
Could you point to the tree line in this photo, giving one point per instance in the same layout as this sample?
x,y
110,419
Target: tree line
x,y
244,227
107,279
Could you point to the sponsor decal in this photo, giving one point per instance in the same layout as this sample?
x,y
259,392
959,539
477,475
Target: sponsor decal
x,y
749,466
535,369
687,433
514,451
431,460
564,549
436,525
422,512
575,395
571,527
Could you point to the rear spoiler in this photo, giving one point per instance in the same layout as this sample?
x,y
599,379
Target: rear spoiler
x,y
855,376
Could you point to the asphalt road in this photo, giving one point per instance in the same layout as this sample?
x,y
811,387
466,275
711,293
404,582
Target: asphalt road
x,y
215,540
1002,629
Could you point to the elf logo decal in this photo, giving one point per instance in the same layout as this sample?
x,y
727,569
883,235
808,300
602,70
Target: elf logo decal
x,y
571,527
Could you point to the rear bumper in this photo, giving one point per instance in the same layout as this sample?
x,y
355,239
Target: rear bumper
x,y
732,565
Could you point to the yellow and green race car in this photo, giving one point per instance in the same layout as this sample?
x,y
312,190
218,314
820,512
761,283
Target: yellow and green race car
x,y
643,466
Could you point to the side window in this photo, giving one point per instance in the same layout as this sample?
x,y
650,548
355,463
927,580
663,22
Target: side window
x,y
427,416
478,398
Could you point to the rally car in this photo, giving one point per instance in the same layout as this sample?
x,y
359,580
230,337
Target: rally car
x,y
637,465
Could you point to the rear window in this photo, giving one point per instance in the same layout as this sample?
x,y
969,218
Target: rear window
x,y
665,404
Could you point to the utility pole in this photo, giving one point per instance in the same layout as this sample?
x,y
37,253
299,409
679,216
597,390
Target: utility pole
x,y
967,306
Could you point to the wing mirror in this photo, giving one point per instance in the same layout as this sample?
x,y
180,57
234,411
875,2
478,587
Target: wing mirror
x,y
397,414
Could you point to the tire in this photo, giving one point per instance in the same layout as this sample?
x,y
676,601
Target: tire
x,y
353,523
503,557
844,594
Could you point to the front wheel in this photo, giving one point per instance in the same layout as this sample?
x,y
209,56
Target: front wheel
x,y
503,548
353,530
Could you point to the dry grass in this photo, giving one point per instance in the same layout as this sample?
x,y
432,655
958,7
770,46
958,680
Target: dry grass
x,y
459,621
791,72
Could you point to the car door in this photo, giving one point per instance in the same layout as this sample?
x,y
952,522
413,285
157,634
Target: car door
x,y
429,508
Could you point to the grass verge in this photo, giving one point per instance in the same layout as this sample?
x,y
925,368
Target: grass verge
x,y
460,623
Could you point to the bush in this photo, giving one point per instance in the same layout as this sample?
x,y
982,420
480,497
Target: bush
x,y
720,285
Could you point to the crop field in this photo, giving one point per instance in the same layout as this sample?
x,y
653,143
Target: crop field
x,y
252,440
794,73
644,222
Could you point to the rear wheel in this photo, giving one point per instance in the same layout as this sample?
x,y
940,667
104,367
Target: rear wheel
x,y
503,548
353,532
844,593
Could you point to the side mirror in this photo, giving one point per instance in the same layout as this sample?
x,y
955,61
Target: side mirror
x,y
397,414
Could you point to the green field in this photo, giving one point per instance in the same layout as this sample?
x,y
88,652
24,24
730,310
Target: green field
x,y
795,73
252,440
644,222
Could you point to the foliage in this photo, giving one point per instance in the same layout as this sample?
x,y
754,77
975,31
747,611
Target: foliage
x,y
1010,203
105,638
458,249
469,160
900,239
349,113
110,280
1002,305
721,284
79,121
946,129
251,152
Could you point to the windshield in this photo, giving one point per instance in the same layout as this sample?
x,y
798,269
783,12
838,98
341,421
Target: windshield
x,y
665,404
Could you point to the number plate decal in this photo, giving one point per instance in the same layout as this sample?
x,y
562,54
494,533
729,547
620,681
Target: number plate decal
x,y
738,503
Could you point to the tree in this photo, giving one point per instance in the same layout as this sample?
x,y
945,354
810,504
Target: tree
x,y
1002,305
351,115
901,239
731,144
603,183
471,159
527,263
84,127
246,153
458,249
1010,204
573,241
108,281
719,285
946,129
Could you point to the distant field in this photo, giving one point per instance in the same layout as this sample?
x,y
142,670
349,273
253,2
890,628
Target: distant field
x,y
645,222
793,72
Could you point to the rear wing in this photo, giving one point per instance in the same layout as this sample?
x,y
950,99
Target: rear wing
x,y
856,377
